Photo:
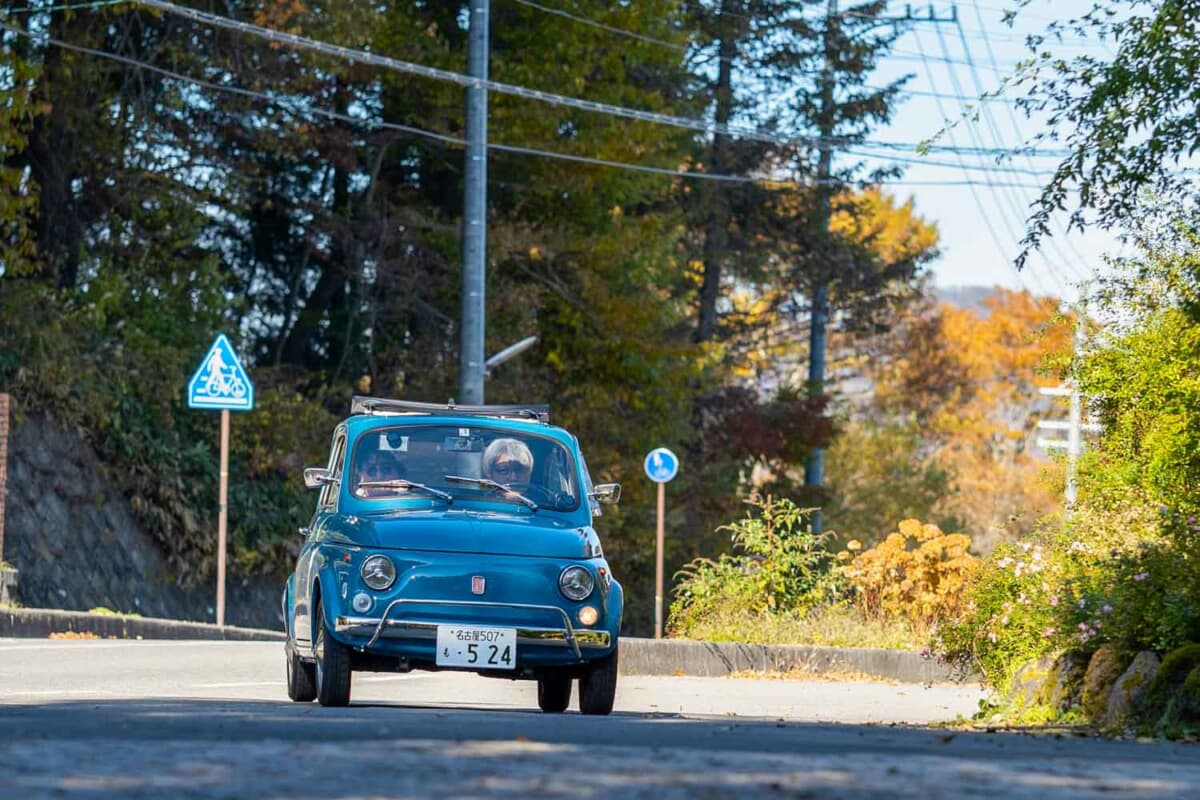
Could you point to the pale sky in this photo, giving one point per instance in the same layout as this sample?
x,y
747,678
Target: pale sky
x,y
973,251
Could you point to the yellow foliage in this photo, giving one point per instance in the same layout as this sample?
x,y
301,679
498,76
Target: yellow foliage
x,y
918,573
873,218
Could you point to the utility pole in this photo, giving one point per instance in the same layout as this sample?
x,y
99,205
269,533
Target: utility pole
x,y
814,469
474,232
827,123
1074,426
8,575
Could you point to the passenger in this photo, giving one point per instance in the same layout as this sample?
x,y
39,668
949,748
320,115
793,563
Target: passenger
x,y
508,461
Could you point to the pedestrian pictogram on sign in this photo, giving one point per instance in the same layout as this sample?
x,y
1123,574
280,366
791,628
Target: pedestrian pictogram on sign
x,y
219,381
661,465
220,384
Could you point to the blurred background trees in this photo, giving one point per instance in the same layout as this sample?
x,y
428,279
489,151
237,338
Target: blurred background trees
x,y
162,180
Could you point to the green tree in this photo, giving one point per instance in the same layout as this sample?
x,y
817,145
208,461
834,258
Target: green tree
x,y
1127,122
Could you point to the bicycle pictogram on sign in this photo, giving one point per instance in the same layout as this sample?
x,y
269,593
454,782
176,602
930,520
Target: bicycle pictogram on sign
x,y
219,381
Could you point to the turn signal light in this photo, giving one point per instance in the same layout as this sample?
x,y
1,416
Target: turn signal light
x,y
588,615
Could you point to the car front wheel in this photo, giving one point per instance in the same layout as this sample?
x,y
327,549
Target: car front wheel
x,y
554,693
333,666
598,686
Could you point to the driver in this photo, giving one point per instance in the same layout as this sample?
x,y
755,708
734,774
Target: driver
x,y
378,466
508,461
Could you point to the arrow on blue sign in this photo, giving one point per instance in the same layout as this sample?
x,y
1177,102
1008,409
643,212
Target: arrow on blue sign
x,y
220,382
661,465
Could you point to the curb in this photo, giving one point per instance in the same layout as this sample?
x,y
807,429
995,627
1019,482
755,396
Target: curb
x,y
718,659
668,657
39,623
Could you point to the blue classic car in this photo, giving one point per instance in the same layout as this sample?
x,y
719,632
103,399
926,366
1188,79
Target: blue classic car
x,y
454,537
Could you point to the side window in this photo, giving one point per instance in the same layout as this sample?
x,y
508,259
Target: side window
x,y
557,479
337,456
593,504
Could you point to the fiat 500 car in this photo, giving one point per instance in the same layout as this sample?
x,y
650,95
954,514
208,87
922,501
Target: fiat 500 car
x,y
456,538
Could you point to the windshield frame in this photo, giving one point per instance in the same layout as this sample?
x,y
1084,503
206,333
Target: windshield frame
x,y
350,483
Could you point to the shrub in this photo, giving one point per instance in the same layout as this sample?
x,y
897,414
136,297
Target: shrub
x,y
918,572
1009,614
779,566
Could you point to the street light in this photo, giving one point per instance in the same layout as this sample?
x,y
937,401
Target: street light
x,y
512,351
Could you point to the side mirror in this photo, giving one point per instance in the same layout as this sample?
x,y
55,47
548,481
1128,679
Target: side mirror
x,y
316,477
606,492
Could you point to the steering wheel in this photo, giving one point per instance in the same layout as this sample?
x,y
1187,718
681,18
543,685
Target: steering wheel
x,y
541,495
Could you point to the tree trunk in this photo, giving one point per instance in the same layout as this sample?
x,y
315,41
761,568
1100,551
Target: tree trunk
x,y
716,233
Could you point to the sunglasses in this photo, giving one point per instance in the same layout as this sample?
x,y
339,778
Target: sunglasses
x,y
371,470
509,468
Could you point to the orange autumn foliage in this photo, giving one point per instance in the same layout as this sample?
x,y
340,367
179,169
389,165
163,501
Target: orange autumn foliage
x,y
970,379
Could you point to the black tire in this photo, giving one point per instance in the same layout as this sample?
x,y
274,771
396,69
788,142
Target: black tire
x,y
332,667
301,679
598,686
554,693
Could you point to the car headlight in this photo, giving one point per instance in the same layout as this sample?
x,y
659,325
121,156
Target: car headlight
x,y
576,583
378,572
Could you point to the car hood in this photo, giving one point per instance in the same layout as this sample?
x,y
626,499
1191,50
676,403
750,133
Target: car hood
x,y
478,532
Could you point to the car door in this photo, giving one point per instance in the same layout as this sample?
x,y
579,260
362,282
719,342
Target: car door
x,y
309,561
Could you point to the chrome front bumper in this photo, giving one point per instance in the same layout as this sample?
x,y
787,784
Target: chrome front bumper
x,y
388,627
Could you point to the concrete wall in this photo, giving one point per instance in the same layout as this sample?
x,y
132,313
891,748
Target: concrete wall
x,y
77,544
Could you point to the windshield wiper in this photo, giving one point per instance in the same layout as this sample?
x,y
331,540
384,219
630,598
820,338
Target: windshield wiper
x,y
400,483
488,483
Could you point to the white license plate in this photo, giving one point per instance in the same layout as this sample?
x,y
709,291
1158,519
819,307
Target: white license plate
x,y
476,647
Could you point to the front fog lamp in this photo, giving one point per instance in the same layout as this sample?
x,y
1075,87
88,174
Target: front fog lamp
x,y
576,583
588,615
378,572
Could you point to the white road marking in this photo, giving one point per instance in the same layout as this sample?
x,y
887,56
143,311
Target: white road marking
x,y
93,644
234,685
50,692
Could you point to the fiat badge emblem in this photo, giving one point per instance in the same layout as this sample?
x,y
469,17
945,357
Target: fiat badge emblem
x,y
477,584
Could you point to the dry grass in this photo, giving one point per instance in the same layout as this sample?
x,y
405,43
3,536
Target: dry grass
x,y
73,635
804,674
832,626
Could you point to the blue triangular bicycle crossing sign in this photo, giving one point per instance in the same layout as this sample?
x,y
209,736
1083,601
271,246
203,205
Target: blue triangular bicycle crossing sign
x,y
220,382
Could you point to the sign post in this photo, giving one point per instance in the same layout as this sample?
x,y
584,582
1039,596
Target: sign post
x,y
661,466
220,384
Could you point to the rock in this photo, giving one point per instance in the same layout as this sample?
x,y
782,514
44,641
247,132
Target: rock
x,y
1028,682
1189,697
1063,688
1105,666
1168,690
1129,692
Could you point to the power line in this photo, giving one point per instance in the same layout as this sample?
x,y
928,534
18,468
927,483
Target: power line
x,y
960,164
310,111
1012,196
1012,117
602,26
92,5
300,42
1003,195
983,215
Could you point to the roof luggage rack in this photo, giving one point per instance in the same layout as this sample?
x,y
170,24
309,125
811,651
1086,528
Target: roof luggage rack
x,y
382,405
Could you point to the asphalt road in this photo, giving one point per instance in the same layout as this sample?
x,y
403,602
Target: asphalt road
x,y
98,719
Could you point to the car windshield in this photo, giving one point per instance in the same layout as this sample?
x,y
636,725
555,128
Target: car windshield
x,y
452,462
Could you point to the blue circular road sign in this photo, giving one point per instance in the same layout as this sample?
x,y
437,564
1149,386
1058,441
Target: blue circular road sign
x,y
661,465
